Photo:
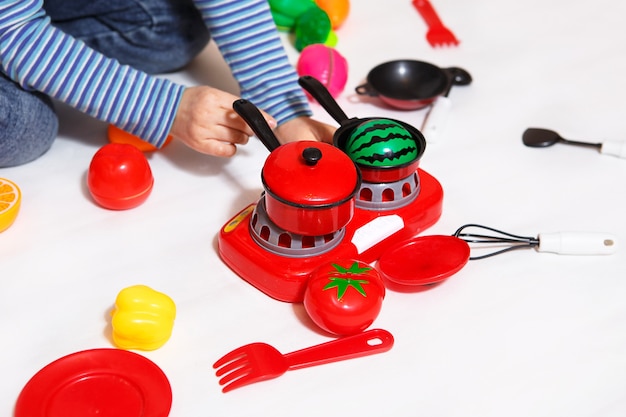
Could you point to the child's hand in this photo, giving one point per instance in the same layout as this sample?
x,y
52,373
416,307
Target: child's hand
x,y
205,121
305,128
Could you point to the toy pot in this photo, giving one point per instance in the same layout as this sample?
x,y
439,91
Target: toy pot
x,y
381,174
410,84
310,187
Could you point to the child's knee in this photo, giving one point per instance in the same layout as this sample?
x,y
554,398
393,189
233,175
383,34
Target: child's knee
x,y
28,127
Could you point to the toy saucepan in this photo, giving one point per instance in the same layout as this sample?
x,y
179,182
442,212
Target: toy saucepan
x,y
381,174
310,187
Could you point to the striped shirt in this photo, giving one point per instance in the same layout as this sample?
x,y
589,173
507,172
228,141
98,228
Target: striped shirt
x,y
41,57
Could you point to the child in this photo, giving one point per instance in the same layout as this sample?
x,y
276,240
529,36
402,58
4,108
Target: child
x,y
96,56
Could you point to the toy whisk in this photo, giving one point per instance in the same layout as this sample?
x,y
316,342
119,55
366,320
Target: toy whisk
x,y
564,243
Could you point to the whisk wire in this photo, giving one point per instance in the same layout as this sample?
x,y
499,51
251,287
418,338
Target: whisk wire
x,y
515,241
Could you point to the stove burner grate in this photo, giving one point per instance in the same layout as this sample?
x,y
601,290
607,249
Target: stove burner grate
x,y
388,196
284,243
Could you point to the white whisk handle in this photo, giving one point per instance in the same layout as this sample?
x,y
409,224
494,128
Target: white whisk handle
x,y
614,148
577,243
436,119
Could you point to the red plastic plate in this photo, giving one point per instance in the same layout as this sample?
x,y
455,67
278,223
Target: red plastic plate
x,y
424,260
97,382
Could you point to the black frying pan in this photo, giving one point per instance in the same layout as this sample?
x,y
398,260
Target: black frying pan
x,y
410,84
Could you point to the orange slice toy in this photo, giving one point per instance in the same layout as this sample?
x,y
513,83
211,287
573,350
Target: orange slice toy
x,y
10,200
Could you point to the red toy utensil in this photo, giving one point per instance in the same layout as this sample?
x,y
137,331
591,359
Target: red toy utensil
x,y
259,361
438,34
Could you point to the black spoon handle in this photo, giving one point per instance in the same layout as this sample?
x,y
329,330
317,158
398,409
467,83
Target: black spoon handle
x,y
578,143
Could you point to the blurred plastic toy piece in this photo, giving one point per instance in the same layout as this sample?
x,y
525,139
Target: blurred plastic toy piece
x,y
313,26
286,12
142,318
337,11
10,201
309,23
438,34
119,177
117,135
326,65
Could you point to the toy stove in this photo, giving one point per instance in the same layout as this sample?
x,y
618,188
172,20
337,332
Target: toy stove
x,y
279,263
319,206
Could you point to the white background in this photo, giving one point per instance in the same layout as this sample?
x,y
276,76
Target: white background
x,y
521,334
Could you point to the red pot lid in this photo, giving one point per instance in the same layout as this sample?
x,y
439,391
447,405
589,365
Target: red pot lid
x,y
308,173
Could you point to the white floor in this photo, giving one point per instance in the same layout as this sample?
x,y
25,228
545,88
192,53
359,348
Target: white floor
x,y
522,334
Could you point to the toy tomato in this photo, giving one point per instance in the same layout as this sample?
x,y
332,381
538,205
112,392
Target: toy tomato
x,y
119,177
344,297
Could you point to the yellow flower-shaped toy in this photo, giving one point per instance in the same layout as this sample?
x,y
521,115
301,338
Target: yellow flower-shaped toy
x,y
142,318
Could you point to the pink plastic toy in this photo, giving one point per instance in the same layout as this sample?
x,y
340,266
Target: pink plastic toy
x,y
326,65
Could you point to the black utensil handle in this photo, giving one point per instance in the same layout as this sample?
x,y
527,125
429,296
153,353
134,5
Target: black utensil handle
x,y
253,117
366,90
323,97
456,76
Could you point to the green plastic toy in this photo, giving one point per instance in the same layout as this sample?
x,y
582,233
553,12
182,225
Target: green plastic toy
x,y
285,12
309,23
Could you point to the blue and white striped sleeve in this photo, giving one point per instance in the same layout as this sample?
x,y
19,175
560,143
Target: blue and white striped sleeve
x,y
246,35
40,57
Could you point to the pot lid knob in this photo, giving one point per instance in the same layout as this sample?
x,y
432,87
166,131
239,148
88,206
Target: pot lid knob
x,y
311,156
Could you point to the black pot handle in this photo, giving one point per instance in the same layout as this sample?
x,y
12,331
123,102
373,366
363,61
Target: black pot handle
x,y
323,97
253,117
366,90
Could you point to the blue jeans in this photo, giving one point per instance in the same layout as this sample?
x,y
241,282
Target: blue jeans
x,y
155,36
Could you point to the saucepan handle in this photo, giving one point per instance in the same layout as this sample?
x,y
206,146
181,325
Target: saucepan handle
x,y
320,93
253,117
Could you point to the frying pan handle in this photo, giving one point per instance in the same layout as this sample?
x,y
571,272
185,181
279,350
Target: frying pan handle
x,y
366,90
457,76
253,117
323,97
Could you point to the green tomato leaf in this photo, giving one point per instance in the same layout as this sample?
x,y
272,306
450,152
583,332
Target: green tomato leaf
x,y
342,281
342,285
354,269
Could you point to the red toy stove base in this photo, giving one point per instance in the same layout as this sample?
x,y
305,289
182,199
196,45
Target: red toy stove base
x,y
367,236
